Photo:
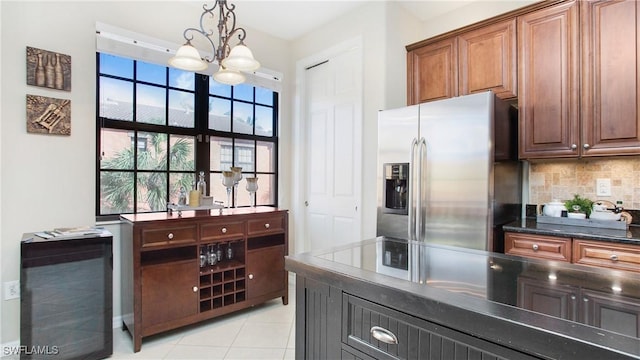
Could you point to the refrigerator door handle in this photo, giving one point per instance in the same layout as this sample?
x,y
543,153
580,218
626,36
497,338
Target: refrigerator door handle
x,y
412,231
420,215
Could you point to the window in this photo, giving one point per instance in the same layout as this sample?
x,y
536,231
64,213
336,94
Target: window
x,y
159,126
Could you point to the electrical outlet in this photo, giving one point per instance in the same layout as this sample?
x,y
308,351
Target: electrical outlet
x,y
11,290
603,187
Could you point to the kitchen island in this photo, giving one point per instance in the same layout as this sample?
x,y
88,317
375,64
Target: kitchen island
x,y
388,299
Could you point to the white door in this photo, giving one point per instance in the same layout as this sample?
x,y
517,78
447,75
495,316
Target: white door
x,y
332,131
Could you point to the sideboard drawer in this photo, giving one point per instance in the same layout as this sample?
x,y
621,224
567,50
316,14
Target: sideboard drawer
x,y
270,224
169,235
537,246
221,230
611,255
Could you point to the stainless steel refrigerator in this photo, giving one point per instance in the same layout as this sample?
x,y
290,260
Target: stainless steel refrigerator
x,y
448,171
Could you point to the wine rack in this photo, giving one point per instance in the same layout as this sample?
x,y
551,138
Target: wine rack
x,y
223,283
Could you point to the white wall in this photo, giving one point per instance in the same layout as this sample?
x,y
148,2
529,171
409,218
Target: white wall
x,y
49,181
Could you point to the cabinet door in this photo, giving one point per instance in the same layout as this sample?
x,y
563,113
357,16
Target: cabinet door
x,y
610,97
432,72
616,313
265,271
548,82
548,298
169,292
487,60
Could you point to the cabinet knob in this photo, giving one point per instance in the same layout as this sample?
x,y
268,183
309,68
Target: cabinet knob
x,y
573,297
195,289
250,276
266,226
535,247
585,299
586,146
574,146
224,230
170,236
613,257
384,335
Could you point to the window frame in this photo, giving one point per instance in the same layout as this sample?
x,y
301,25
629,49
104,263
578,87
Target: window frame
x,y
200,132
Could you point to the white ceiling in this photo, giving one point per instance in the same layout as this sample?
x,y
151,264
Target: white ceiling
x,y
290,19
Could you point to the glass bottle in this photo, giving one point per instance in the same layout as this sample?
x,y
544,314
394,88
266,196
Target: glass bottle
x,y
182,196
202,184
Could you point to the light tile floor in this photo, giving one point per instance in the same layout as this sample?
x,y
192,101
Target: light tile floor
x,y
262,332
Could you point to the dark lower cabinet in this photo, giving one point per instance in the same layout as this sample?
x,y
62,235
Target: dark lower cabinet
x,y
66,301
617,313
333,324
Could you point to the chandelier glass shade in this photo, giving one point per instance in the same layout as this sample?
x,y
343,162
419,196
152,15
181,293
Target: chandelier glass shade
x,y
231,61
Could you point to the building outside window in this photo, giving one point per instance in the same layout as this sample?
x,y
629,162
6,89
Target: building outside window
x,y
159,126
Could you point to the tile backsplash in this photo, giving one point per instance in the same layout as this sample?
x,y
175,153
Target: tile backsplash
x,y
561,179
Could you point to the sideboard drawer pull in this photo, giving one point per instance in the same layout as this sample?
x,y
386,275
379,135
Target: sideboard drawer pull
x,y
224,230
384,335
535,247
170,236
613,257
266,225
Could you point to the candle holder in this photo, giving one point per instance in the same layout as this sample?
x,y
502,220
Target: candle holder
x,y
228,182
252,188
237,176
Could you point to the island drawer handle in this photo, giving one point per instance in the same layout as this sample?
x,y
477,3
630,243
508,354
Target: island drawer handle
x,y
170,236
384,335
224,230
535,247
266,225
614,257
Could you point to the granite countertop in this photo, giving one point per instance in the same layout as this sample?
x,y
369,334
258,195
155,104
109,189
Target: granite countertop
x,y
531,226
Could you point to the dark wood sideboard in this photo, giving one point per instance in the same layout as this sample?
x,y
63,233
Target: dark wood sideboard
x,y
164,285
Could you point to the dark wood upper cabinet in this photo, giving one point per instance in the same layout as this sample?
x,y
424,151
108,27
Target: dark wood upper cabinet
x,y
432,71
487,60
610,77
548,82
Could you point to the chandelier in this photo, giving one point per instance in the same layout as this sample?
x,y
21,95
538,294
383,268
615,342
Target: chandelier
x,y
231,61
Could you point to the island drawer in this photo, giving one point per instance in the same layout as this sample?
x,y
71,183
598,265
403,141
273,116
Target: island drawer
x,y
611,255
384,333
538,246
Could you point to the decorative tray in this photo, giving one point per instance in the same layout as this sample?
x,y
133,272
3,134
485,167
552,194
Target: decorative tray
x,y
606,224
180,208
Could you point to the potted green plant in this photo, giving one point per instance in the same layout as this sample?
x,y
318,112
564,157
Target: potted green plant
x,y
579,205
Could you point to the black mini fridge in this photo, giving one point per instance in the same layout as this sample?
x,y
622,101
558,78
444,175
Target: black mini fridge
x,y
66,305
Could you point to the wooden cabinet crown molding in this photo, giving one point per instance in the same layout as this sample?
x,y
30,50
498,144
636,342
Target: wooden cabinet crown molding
x,y
496,19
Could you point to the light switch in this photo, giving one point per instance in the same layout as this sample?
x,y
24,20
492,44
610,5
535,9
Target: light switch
x,y
603,187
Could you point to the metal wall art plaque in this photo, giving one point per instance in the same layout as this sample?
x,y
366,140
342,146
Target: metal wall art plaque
x,y
48,69
47,115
